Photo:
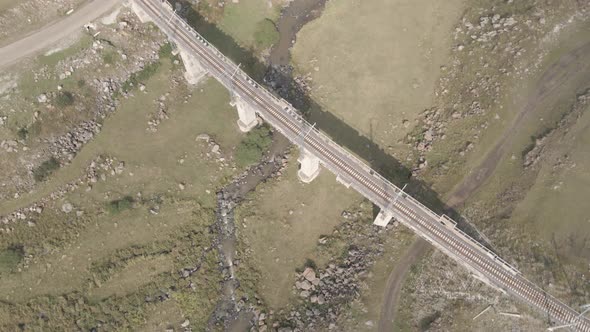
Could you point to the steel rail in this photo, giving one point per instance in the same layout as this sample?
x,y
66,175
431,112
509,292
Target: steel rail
x,y
515,284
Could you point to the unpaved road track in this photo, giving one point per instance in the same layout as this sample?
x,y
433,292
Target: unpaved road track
x,y
50,34
395,281
566,69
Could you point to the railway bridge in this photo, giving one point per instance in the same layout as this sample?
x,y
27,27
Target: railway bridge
x,y
317,149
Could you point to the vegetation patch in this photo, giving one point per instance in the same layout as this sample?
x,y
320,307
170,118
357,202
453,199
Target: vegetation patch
x,y
104,269
427,321
46,168
109,57
120,205
166,51
244,20
266,34
9,259
23,133
141,76
252,148
64,99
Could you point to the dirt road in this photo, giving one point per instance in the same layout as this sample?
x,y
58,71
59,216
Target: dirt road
x,y
551,85
54,32
560,78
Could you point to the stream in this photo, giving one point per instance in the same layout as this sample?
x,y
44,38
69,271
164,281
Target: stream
x,y
231,313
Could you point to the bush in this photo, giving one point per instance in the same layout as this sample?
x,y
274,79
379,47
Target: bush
x,y
9,258
141,76
310,263
427,321
45,169
64,99
266,34
119,205
23,133
252,147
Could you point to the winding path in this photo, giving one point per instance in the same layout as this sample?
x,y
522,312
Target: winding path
x,y
567,69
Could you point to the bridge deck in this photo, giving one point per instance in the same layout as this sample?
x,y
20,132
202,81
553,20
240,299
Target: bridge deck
x,y
361,177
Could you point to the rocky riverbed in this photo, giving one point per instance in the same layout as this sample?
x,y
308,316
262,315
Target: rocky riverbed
x,y
231,313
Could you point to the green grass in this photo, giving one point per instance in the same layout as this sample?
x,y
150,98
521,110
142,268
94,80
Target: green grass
x,y
246,19
266,34
252,148
165,51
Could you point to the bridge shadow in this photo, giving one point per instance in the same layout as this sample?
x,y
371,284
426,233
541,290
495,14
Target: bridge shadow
x,y
281,82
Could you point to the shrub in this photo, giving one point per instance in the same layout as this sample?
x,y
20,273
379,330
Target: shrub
x,y
310,263
119,205
252,147
46,168
141,76
427,321
9,258
23,133
266,34
64,99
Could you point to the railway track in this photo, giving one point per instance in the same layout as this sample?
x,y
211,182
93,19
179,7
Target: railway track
x,y
439,230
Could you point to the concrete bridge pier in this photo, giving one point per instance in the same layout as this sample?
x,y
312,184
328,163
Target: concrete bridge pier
x,y
194,72
383,218
310,166
247,114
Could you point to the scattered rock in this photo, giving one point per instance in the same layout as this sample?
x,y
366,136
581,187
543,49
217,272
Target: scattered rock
x,y
42,98
67,207
309,274
203,137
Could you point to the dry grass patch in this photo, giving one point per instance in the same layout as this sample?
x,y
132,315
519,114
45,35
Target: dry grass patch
x,y
136,274
374,63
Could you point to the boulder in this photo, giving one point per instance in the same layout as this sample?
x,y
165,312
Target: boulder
x,y
67,207
309,274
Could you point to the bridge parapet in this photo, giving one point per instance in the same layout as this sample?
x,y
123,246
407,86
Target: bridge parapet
x,y
361,177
